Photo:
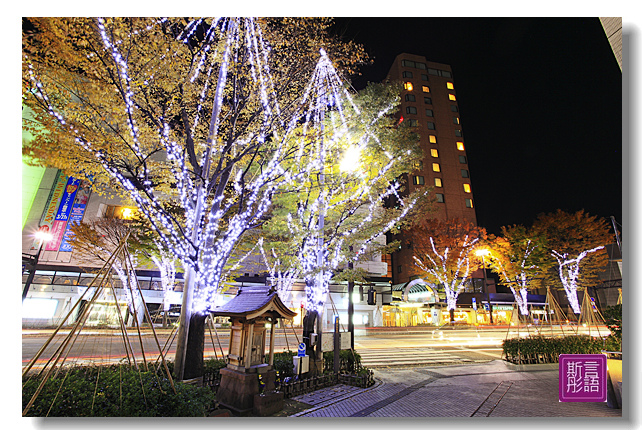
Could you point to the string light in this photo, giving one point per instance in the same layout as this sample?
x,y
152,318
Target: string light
x,y
569,269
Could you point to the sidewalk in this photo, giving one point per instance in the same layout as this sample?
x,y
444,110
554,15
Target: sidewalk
x,y
495,389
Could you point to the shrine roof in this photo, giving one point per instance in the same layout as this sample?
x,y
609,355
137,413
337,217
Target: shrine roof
x,y
254,301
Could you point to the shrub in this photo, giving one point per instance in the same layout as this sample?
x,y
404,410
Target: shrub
x,y
349,361
613,319
283,363
552,347
115,391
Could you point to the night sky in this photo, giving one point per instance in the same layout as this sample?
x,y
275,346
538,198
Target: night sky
x,y
540,103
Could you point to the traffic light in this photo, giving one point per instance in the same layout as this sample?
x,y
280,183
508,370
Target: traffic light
x,y
372,296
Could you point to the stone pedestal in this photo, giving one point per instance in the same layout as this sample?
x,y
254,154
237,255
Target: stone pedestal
x,y
238,388
268,403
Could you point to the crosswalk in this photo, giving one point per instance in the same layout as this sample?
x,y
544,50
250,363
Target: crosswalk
x,y
410,356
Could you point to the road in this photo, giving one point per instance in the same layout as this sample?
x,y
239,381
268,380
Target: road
x,y
377,347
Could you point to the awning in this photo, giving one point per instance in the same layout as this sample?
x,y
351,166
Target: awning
x,y
415,291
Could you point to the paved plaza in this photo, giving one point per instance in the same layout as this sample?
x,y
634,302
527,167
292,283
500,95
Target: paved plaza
x,y
494,389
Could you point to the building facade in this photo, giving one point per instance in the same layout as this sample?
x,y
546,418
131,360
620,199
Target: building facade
x,y
429,104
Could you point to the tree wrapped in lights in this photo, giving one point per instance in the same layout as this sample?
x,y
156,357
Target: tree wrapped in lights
x,y
518,256
441,250
576,242
200,112
569,270
357,154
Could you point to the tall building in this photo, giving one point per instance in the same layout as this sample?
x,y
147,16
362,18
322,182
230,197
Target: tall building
x,y
429,103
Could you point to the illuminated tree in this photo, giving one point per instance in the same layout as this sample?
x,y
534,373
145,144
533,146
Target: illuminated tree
x,y
337,213
518,256
442,252
201,112
576,242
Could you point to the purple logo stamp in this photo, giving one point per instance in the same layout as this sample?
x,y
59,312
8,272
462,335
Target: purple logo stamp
x,y
582,377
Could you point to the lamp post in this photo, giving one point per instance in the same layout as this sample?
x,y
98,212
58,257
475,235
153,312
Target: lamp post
x,y
482,253
44,237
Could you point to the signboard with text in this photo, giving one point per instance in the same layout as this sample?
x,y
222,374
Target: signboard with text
x,y
582,378
62,215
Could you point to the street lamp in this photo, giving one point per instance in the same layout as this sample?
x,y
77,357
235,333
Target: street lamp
x,y
43,236
482,253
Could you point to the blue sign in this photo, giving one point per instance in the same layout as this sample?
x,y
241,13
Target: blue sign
x,y
301,351
474,303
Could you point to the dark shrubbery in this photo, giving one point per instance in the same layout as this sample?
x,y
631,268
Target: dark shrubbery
x,y
349,361
613,319
540,349
115,391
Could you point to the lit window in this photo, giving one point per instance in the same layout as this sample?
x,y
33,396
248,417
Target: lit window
x,y
418,180
425,89
460,146
469,203
429,112
440,198
450,85
435,167
464,173
455,120
432,138
431,125
434,153
410,97
408,75
411,109
462,159
408,86
467,188
438,182
452,97
427,100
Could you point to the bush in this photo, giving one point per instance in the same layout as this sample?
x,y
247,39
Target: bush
x,y
283,363
520,349
115,391
613,319
349,361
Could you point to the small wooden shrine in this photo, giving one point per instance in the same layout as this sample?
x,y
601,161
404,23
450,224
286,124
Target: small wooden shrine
x,y
249,312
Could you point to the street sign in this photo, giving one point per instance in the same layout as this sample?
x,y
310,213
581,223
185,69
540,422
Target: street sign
x,y
301,350
474,303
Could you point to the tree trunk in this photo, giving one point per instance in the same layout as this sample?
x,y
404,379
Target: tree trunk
x,y
308,328
452,315
183,324
193,367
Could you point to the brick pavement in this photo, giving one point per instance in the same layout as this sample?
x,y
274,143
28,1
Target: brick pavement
x,y
495,389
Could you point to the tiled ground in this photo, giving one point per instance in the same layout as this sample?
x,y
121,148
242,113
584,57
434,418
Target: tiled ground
x,y
453,391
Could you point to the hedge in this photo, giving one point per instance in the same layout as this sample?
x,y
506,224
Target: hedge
x,y
540,349
114,391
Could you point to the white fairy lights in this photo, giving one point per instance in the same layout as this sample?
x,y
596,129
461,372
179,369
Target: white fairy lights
x,y
569,269
453,281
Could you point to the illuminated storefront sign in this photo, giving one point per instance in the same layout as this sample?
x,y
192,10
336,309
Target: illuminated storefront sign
x,y
62,216
48,216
